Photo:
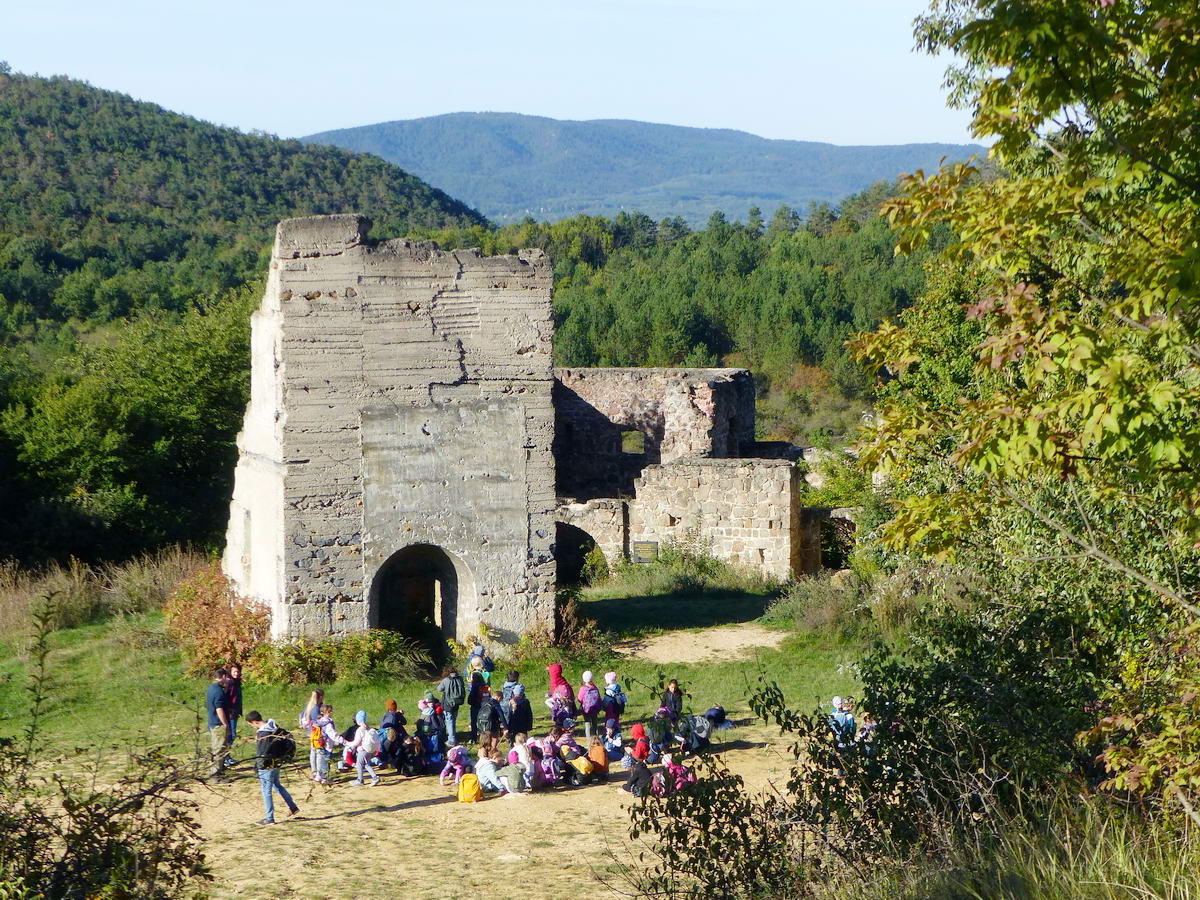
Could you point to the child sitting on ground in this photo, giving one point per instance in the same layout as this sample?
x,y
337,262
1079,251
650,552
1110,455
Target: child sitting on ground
x,y
519,754
599,757
675,775
641,745
486,770
458,764
612,740
535,775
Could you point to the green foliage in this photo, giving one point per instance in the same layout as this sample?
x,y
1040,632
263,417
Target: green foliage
x,y
353,657
109,206
126,444
595,567
211,624
87,833
508,165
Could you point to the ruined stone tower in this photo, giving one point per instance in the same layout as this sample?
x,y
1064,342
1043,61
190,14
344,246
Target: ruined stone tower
x,y
395,465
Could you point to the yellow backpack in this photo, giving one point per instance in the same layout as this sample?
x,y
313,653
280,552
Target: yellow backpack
x,y
316,738
469,790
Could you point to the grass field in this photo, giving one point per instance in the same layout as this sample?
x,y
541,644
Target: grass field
x,y
121,684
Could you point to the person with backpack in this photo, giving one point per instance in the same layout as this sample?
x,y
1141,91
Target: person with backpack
x,y
489,719
364,745
454,693
639,781
273,747
476,687
322,738
520,714
590,706
614,698
842,724
511,683
560,698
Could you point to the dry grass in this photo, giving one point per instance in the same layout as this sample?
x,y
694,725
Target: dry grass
x,y
85,594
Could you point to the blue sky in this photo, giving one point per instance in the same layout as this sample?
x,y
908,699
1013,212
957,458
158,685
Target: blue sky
x,y
843,72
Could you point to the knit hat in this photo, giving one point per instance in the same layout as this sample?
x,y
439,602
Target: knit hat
x,y
610,677
429,696
611,723
518,690
837,702
360,717
587,677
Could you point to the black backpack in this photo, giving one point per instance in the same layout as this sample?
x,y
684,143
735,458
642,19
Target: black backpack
x,y
487,720
455,692
281,747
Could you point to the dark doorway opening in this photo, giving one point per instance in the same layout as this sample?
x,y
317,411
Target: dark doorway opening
x,y
571,547
416,593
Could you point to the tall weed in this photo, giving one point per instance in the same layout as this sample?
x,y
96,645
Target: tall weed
x,y
85,594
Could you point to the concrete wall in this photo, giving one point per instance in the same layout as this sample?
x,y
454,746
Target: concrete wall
x,y
401,395
744,509
681,414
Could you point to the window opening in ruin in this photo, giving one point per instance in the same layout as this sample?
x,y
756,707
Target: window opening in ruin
x,y
633,442
571,548
732,449
416,593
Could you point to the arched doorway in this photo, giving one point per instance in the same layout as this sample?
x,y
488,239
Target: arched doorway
x,y
418,591
571,547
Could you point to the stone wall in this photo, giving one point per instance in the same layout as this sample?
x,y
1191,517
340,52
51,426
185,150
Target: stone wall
x,y
401,398
678,413
743,509
605,521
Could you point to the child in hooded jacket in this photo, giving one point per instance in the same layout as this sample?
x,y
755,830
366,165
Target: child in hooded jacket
x,y
614,698
323,737
458,764
363,737
613,744
591,705
560,698
518,713
676,775
641,746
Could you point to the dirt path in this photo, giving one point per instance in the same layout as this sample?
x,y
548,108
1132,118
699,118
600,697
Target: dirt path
x,y
408,837
725,641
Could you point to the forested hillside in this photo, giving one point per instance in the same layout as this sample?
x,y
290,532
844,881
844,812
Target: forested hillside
x,y
109,205
510,166
128,236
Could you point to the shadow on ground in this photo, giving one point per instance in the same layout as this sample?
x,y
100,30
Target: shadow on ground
x,y
639,615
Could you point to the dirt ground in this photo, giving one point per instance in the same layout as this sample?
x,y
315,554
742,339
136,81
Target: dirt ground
x,y
410,838
724,642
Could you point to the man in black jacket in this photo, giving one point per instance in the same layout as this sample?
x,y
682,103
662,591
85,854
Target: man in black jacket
x,y
266,763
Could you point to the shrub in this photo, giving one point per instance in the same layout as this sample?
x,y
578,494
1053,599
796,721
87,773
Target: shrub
x,y
595,567
83,832
352,657
209,621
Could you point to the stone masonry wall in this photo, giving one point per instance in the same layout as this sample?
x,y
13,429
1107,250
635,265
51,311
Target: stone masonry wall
x,y
401,395
681,413
606,521
744,509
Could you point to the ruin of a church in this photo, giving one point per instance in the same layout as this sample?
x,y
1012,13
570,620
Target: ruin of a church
x,y
410,458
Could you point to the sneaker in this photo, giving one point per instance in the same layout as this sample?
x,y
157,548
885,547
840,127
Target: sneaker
x,y
293,812
374,781
359,783
229,761
265,822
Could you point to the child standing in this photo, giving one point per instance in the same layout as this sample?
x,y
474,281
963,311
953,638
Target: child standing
x,y
589,705
323,737
614,698
365,744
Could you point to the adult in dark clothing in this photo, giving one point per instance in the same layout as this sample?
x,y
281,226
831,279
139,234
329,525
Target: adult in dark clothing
x,y
520,713
475,688
672,700
267,767
216,703
454,692
639,780
234,687
490,720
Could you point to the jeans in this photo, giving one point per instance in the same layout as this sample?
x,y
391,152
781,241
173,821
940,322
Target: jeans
x,y
318,761
451,716
269,780
232,729
360,763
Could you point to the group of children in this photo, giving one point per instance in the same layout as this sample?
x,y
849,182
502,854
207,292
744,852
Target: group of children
x,y
528,764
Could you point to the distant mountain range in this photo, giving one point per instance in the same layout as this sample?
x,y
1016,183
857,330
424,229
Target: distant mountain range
x,y
509,166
